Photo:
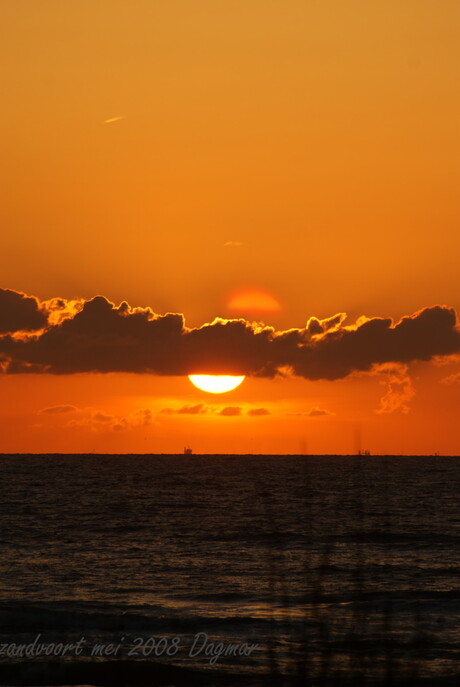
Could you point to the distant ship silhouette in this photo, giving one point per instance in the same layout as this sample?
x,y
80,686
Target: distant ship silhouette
x,y
187,450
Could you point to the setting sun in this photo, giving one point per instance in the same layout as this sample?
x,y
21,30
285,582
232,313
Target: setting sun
x,y
216,384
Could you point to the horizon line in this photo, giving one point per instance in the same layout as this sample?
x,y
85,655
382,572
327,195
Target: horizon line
x,y
195,455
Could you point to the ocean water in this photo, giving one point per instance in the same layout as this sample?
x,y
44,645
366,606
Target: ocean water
x,y
277,570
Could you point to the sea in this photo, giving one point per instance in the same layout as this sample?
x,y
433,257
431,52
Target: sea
x,y
229,570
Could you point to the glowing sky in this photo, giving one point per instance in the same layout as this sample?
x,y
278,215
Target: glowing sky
x,y
272,161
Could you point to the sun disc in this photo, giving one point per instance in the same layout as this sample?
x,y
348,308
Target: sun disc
x,y
216,384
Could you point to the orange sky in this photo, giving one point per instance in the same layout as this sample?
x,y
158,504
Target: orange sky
x,y
267,160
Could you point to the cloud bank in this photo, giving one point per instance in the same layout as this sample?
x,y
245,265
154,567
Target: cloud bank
x,y
97,336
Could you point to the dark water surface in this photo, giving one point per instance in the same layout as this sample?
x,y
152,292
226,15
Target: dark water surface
x,y
343,570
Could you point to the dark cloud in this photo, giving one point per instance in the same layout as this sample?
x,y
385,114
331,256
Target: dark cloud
x,y
429,332
19,312
97,336
258,411
230,411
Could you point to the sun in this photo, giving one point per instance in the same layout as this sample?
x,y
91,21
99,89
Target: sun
x,y
216,384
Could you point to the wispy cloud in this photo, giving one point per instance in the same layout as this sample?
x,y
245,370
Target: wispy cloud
x,y
318,412
192,410
102,417
451,379
114,119
100,421
314,411
399,388
58,410
202,409
197,409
